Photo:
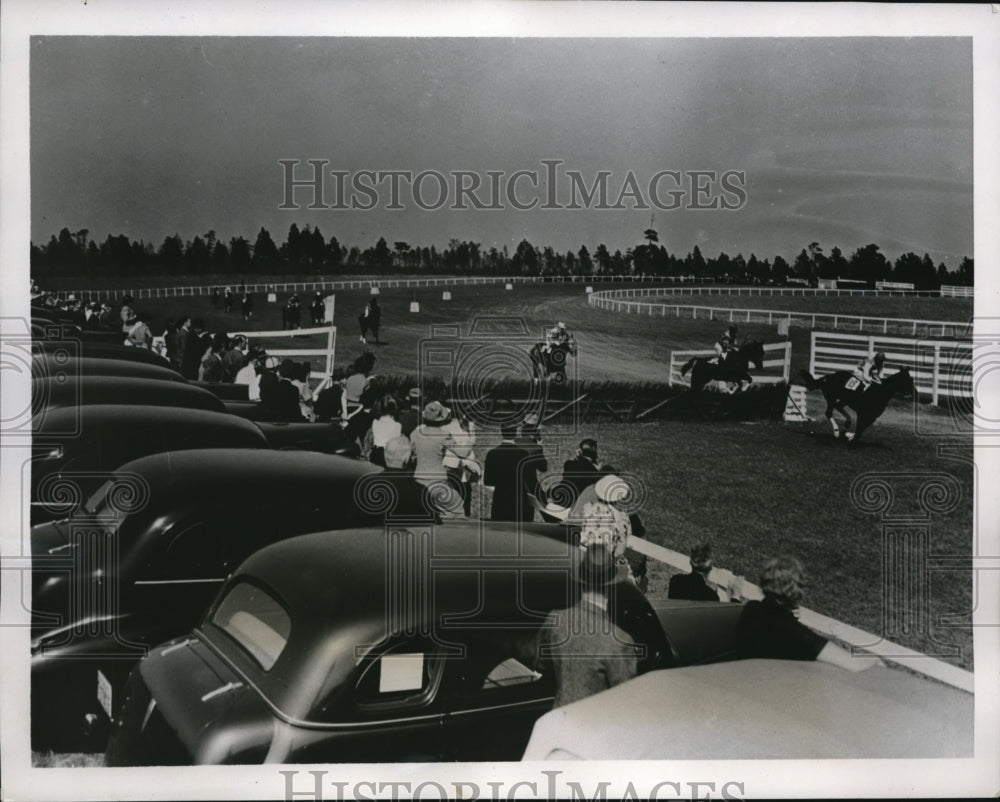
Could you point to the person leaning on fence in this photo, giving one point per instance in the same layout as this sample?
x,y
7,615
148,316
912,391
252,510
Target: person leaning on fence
x,y
358,378
695,586
770,629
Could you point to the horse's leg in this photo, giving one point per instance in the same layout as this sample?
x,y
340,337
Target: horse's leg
x,y
848,434
829,416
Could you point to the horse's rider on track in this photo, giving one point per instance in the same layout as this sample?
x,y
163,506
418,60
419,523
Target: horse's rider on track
x,y
556,336
869,370
726,344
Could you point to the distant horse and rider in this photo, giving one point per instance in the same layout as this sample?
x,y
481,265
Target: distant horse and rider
x,y
370,319
731,364
863,390
549,357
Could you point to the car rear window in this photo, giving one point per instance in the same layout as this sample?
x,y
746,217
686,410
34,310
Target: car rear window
x,y
256,621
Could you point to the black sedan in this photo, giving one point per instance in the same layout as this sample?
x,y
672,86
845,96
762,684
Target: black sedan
x,y
372,645
143,558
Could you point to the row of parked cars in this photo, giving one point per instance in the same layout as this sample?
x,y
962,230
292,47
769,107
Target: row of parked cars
x,y
213,589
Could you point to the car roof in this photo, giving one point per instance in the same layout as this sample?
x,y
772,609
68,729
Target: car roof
x,y
347,591
761,709
49,393
185,472
115,420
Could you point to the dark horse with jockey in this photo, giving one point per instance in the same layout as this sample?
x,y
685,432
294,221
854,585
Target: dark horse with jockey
x,y
370,319
549,357
732,367
842,389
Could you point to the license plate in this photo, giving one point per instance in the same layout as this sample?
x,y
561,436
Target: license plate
x,y
104,692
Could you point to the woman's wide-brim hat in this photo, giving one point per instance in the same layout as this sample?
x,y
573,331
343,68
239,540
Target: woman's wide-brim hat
x,y
436,412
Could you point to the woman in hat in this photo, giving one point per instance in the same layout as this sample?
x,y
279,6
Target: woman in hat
x,y
431,441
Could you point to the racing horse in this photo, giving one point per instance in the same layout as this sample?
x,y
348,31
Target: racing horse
x,y
734,369
552,364
370,320
842,389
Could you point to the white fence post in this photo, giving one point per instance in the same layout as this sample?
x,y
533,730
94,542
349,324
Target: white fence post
x,y
935,385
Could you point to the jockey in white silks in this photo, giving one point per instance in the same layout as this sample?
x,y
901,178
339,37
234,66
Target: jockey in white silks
x,y
726,344
556,336
869,370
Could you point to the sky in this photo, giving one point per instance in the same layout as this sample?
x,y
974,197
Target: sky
x,y
841,141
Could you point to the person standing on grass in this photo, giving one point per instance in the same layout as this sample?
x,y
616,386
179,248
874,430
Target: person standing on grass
x,y
589,652
582,470
504,471
771,629
430,441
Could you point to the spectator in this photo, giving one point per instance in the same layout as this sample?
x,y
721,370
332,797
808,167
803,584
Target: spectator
x,y
139,334
413,502
589,652
460,460
429,442
358,378
328,403
195,346
177,347
211,365
410,417
771,629
582,470
695,586
234,358
384,428
249,374
598,517
299,377
106,316
359,425
91,321
227,300
530,439
247,305
215,297
279,399
504,471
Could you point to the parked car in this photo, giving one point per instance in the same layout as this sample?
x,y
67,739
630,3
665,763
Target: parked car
x,y
761,709
142,559
368,645
89,347
47,365
327,438
76,391
76,448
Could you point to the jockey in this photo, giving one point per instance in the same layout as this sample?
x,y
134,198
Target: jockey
x,y
556,336
869,370
726,344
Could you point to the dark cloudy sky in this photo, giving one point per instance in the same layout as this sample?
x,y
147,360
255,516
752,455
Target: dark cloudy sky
x,y
844,141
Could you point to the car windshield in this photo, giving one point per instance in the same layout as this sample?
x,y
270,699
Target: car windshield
x,y
256,621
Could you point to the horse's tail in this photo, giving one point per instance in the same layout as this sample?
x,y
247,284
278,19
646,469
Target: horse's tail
x,y
812,383
687,366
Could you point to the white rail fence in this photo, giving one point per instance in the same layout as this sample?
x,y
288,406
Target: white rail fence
x,y
924,328
939,367
327,354
364,283
780,363
790,291
955,291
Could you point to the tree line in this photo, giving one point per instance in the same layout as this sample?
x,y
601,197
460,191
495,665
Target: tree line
x,y
306,250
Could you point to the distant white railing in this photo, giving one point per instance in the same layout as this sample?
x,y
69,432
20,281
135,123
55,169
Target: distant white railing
x,y
364,283
725,289
956,291
609,299
939,368
783,362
